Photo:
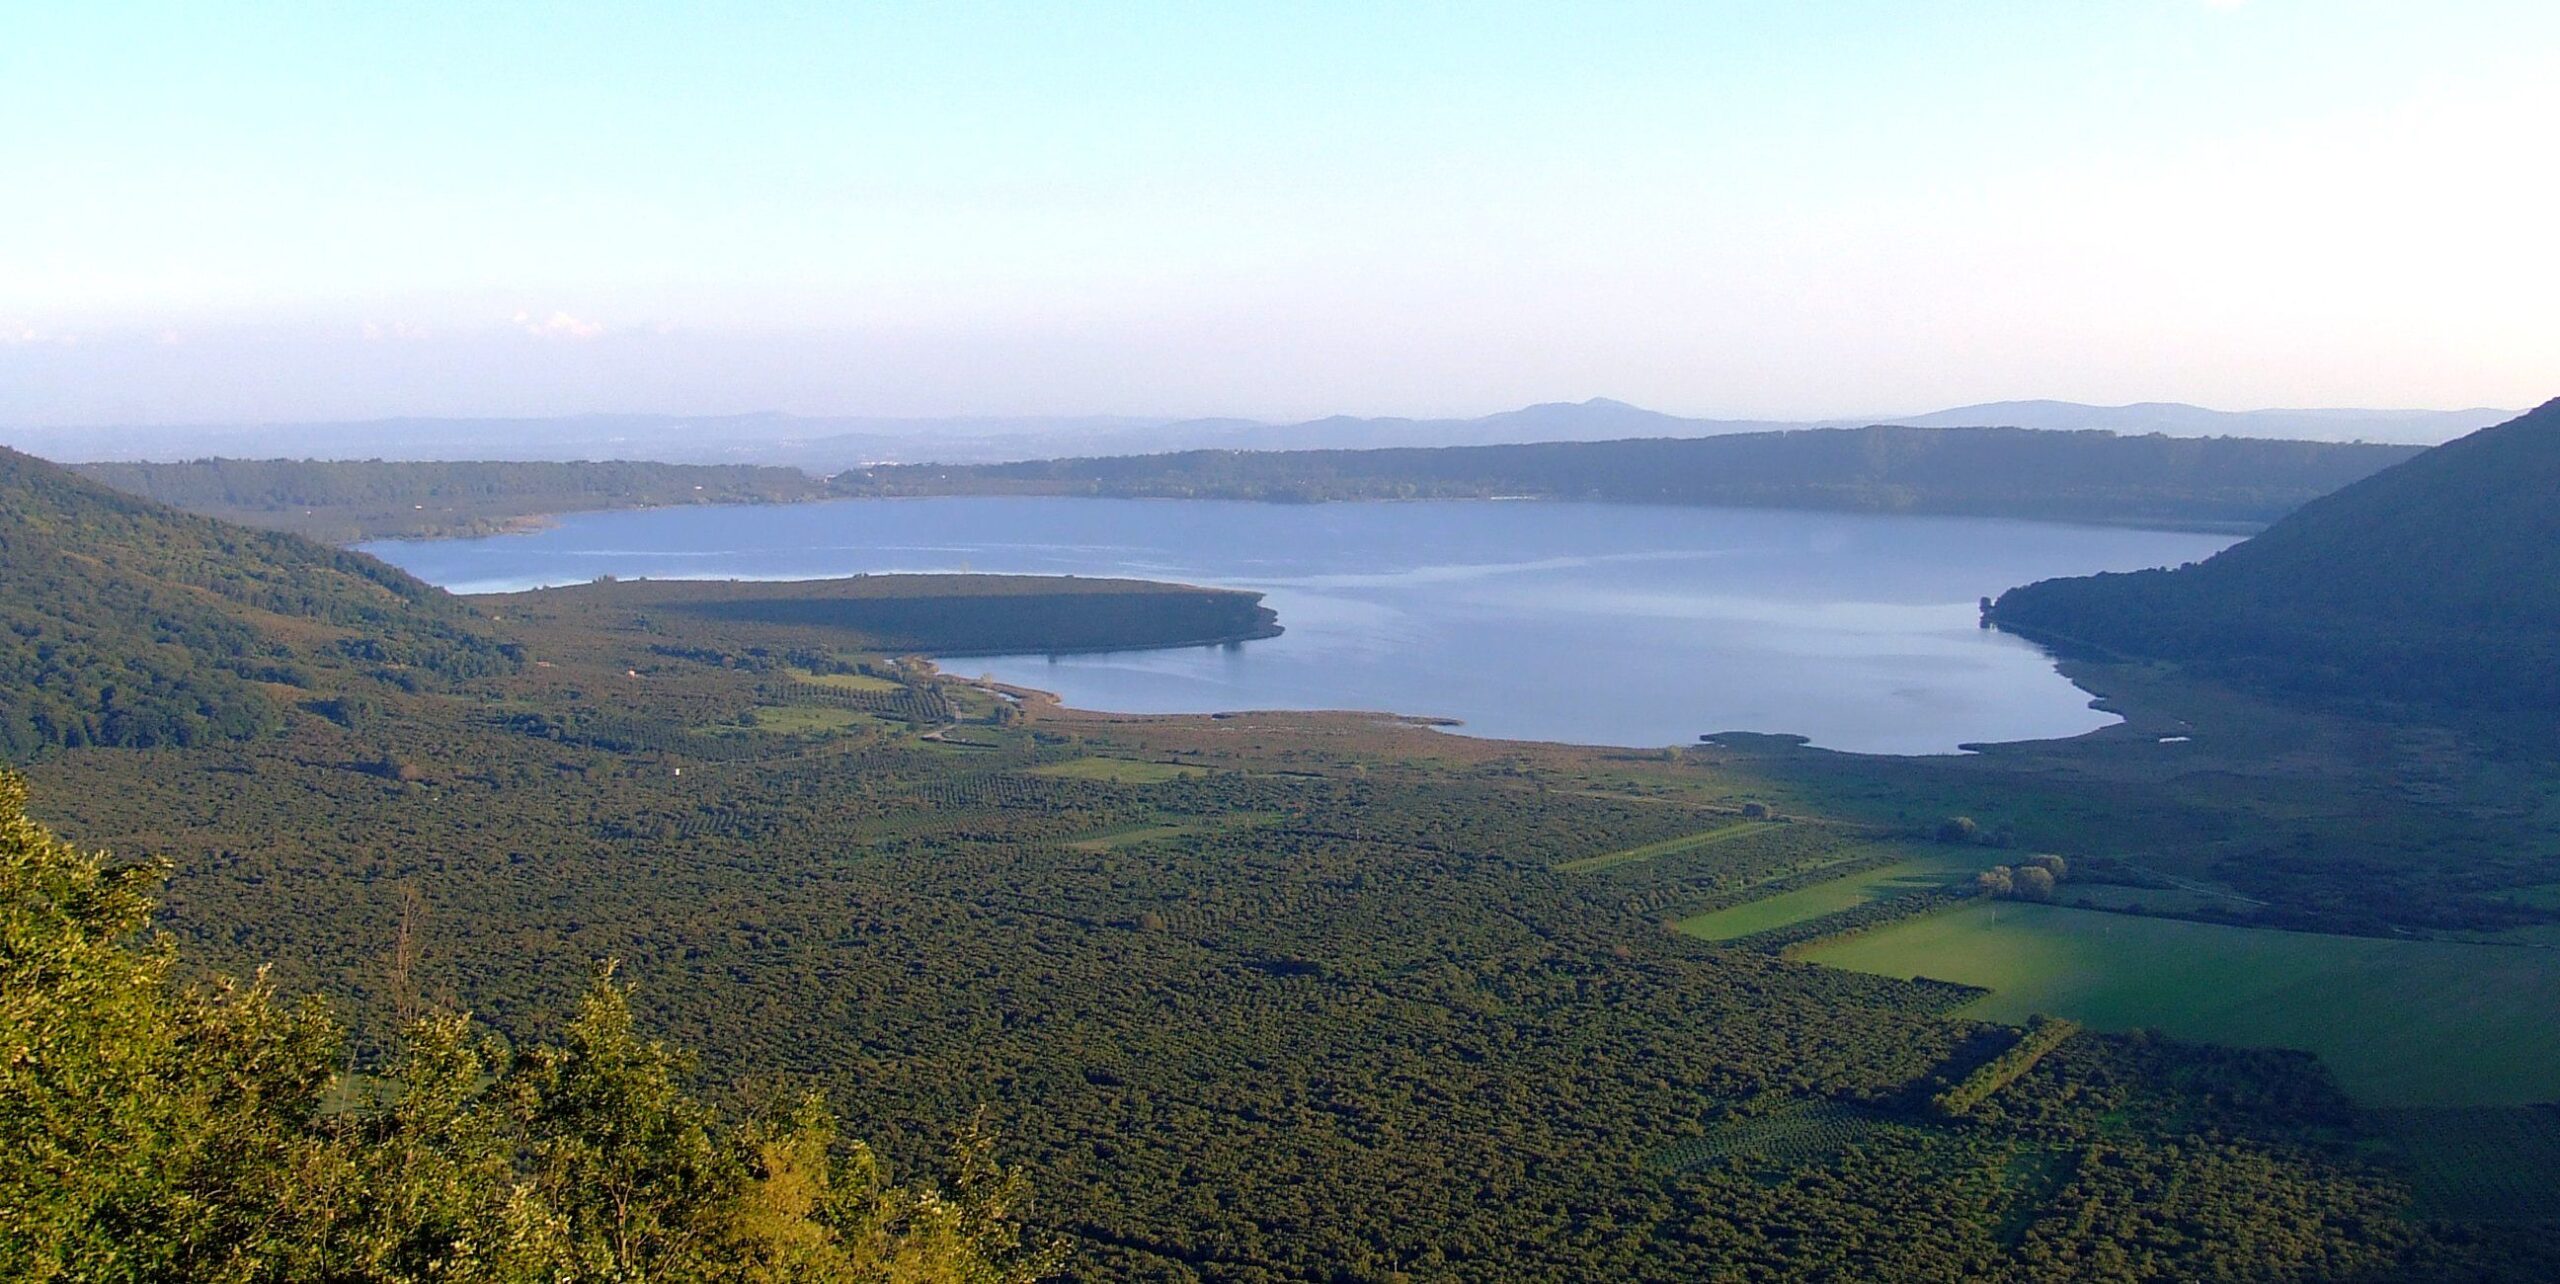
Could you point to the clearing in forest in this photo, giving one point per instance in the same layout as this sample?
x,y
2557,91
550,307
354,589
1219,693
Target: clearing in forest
x,y
804,720
1667,847
1118,771
1925,867
845,681
1118,836
2400,1022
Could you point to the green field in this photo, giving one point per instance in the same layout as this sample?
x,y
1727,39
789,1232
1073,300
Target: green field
x,y
1118,771
1129,835
2401,1023
1667,847
804,720
845,681
2139,900
1928,867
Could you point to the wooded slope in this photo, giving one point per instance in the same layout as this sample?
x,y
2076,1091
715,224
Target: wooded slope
x,y
125,622
347,500
2008,472
2435,581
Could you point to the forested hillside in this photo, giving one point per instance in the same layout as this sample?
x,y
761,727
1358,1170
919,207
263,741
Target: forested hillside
x,y
123,622
2010,472
348,500
2435,581
2014,472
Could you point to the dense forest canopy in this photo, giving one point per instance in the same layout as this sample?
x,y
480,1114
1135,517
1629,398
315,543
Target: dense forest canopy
x,y
2009,472
347,500
124,622
2436,581
2218,483
155,1129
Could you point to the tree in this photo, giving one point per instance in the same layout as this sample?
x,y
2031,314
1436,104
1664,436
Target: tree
x,y
164,1132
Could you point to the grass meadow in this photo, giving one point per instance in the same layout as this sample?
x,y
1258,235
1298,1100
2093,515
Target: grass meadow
x,y
846,681
1667,847
1926,867
1118,771
2400,1022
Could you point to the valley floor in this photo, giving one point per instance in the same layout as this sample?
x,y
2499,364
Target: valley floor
x,y
1299,997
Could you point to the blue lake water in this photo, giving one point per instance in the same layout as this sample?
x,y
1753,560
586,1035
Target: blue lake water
x,y
1589,623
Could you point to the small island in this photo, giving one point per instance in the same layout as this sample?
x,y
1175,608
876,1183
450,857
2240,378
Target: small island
x,y
942,615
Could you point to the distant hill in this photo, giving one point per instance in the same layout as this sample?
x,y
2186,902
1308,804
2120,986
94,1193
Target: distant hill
x,y
828,443
2437,581
1598,419
2219,483
342,501
126,622
2176,419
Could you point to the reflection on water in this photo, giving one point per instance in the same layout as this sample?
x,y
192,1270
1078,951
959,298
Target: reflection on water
x,y
1596,623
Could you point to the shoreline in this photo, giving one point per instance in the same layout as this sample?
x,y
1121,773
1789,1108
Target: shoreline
x,y
530,523
1270,630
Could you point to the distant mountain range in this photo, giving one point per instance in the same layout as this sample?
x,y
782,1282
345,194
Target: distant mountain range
x,y
829,444
2435,581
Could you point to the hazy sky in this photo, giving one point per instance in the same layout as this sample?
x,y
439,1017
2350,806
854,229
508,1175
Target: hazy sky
x,y
235,211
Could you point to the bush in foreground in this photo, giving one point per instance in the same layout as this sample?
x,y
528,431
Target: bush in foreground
x,y
159,1131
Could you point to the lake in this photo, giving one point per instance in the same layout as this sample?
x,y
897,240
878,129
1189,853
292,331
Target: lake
x,y
1587,623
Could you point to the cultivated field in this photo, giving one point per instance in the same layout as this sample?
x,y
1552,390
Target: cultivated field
x,y
1118,771
1925,868
1667,847
2401,1023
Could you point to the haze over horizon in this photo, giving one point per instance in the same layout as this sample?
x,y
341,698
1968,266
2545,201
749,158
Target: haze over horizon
x,y
1765,211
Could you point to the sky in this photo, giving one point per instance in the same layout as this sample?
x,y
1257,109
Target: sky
x,y
242,212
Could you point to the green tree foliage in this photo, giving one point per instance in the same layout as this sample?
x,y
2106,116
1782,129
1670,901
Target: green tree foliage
x,y
2031,880
2013,472
2435,582
346,500
2042,1036
126,623
158,1131
947,615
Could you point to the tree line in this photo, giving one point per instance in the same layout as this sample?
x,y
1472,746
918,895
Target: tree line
x,y
2221,483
